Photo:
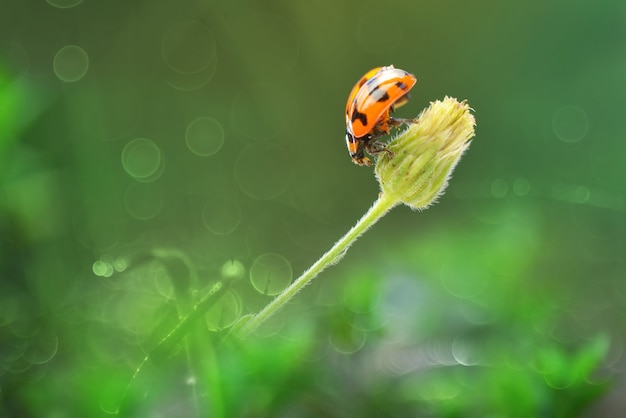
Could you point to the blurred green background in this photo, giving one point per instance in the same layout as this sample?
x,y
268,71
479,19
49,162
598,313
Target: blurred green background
x,y
150,149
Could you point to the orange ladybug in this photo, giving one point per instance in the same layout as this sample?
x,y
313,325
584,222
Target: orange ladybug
x,y
368,110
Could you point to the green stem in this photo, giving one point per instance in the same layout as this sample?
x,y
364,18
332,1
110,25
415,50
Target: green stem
x,y
165,347
383,204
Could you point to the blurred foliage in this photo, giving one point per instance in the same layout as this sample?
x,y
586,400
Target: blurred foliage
x,y
152,150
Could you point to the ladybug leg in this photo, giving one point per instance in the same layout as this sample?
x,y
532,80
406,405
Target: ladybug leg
x,y
398,121
374,147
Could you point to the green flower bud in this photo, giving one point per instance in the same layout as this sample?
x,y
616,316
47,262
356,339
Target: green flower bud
x,y
423,157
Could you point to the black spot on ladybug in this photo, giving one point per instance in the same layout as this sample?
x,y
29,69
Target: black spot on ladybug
x,y
383,97
360,116
378,94
401,85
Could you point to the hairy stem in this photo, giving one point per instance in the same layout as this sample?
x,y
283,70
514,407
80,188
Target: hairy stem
x,y
382,205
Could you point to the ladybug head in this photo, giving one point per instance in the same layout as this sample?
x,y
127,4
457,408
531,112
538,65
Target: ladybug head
x,y
355,148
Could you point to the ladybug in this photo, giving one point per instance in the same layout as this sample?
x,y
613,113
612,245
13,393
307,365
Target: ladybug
x,y
368,110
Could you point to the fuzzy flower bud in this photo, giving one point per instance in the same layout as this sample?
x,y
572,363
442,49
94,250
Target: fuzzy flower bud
x,y
425,155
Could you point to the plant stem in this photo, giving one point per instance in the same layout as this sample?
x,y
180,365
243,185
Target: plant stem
x,y
381,206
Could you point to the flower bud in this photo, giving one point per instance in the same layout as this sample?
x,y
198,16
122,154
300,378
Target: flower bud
x,y
423,157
